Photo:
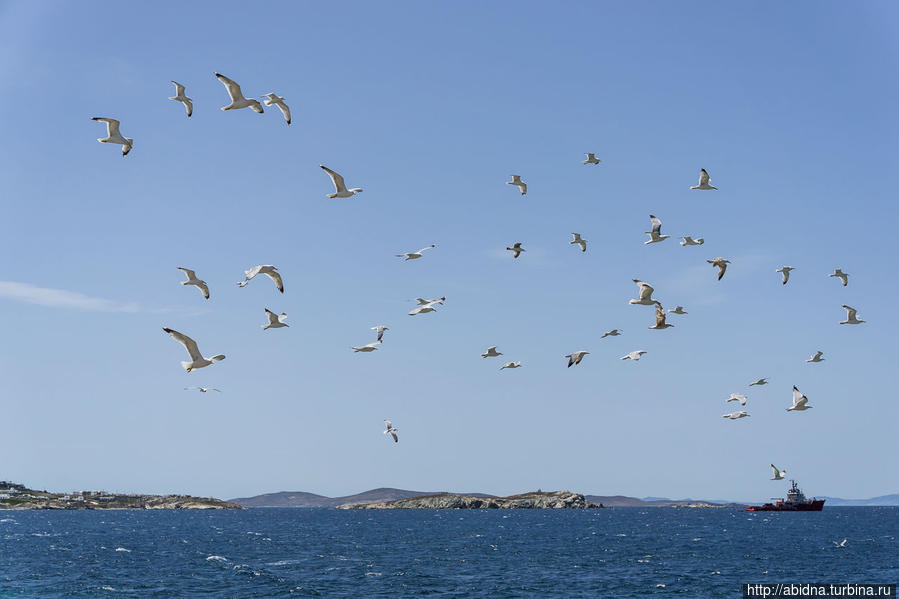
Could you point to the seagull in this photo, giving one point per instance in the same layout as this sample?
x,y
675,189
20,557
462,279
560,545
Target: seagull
x,y
516,364
678,310
736,415
687,240
579,240
193,280
197,359
516,180
817,357
759,382
516,249
491,352
800,401
840,544
391,430
654,235
264,269
612,333
278,101
737,397
575,358
703,181
850,316
785,271
634,355
424,302
660,319
778,474
424,308
339,186
844,276
591,159
275,321
645,298
113,136
721,263
202,389
368,347
380,329
180,97
414,255
237,99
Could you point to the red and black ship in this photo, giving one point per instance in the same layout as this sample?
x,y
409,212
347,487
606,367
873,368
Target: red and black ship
x,y
796,501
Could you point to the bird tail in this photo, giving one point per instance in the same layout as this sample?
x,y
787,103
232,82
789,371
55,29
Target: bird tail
x,y
217,358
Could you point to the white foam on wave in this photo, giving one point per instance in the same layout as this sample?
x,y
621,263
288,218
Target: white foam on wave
x,y
216,558
107,588
123,549
8,520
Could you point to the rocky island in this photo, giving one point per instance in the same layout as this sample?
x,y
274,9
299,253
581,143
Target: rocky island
x,y
444,501
14,496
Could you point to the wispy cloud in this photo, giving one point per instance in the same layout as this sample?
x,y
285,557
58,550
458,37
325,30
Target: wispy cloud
x,y
61,298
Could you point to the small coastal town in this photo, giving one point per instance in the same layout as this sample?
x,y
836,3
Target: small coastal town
x,y
16,496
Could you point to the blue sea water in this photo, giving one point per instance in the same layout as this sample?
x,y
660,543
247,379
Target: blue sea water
x,y
626,552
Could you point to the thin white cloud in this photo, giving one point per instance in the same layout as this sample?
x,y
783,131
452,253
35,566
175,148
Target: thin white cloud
x,y
61,298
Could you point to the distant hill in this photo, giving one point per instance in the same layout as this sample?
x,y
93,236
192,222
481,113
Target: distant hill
x,y
302,499
883,500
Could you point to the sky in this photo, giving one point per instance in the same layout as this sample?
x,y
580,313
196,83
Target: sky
x,y
429,107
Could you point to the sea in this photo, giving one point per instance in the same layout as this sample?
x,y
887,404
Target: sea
x,y
299,552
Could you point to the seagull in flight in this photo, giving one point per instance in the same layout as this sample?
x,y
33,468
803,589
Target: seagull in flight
x,y
278,101
491,352
591,159
181,97
800,401
785,271
575,358
634,355
721,264
415,255
687,240
736,415
759,382
275,321
678,310
424,302
516,364
703,181
263,269
577,239
778,474
612,333
516,249
424,308
654,235
340,190
817,357
237,99
516,180
737,397
850,316
660,319
202,389
391,430
193,280
368,347
113,136
196,358
843,276
380,329
645,298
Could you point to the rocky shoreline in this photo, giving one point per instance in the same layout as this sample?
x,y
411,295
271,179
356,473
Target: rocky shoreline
x,y
452,501
18,497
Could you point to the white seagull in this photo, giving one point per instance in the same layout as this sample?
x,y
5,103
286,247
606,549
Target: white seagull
x,y
817,357
850,316
841,543
425,302
202,389
578,240
721,264
391,430
591,159
263,269
634,355
380,329
687,240
340,190
800,401
645,298
516,180
275,321
414,255
369,347
424,308
703,181
778,474
273,98
843,276
736,415
737,397
516,249
491,352
113,136
575,358
237,99
678,310
196,358
655,235
181,97
516,364
660,319
763,381
193,280
785,271
612,333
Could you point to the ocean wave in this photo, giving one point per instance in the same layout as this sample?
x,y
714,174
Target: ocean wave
x,y
123,549
216,558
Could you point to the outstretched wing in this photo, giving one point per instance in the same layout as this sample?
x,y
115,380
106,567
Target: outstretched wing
x,y
645,290
336,179
190,274
850,312
179,89
660,315
272,317
798,398
703,177
656,224
232,87
189,344
276,277
112,125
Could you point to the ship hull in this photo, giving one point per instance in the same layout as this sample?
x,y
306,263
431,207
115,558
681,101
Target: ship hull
x,y
815,505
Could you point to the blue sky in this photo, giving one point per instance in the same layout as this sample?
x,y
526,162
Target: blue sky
x,y
429,107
